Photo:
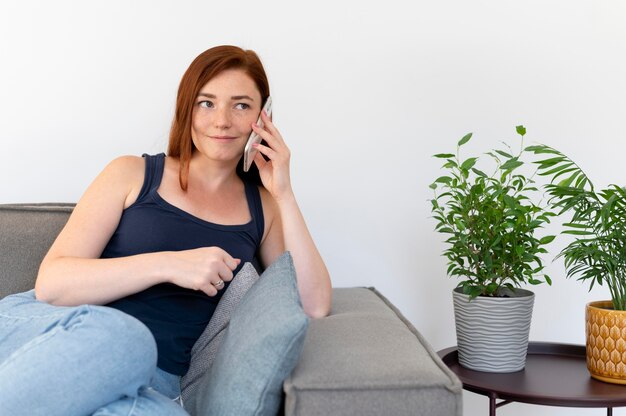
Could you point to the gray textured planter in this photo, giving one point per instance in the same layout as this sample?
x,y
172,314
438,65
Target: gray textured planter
x,y
492,333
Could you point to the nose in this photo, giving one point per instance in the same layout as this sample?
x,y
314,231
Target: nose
x,y
222,118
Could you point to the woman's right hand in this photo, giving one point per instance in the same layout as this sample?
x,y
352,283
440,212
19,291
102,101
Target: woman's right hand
x,y
73,272
202,269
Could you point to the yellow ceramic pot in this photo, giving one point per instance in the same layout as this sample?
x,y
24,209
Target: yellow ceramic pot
x,y
606,342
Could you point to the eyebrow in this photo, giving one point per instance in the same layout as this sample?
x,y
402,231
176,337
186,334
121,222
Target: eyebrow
x,y
234,97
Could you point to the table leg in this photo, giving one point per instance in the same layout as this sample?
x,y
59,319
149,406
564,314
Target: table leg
x,y
493,405
609,411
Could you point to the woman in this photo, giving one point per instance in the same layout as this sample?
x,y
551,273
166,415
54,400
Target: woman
x,y
154,239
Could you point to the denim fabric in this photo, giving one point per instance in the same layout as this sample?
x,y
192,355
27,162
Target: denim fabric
x,y
82,360
261,347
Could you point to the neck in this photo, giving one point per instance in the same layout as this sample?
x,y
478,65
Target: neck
x,y
211,174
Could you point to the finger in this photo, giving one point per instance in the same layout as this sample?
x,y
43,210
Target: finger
x,y
225,274
219,285
276,136
224,271
265,150
225,257
209,290
230,261
274,141
260,161
267,121
265,134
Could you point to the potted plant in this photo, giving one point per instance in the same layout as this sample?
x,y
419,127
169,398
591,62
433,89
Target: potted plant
x,y
493,246
597,254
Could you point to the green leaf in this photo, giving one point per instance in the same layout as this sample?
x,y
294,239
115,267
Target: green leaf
x,y
511,164
566,182
505,154
510,201
521,130
469,163
547,163
547,239
559,168
581,182
479,172
488,262
542,149
472,291
492,288
443,155
575,225
443,179
566,171
576,232
433,186
465,139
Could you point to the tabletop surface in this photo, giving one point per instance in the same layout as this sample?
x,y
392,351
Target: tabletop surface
x,y
555,374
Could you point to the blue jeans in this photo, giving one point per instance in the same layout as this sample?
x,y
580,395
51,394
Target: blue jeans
x,y
83,360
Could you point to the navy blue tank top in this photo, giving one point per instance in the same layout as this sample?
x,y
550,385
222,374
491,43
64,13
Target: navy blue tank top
x,y
175,315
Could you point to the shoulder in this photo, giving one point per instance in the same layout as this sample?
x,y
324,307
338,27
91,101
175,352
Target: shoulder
x,y
125,173
126,165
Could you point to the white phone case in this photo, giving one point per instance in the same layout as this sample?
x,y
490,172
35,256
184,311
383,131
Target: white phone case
x,y
250,152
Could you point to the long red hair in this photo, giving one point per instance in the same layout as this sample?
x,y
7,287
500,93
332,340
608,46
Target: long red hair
x,y
206,66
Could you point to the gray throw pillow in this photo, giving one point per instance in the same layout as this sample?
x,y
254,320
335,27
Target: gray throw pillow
x,y
204,350
261,347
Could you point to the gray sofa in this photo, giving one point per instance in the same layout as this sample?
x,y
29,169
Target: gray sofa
x,y
365,358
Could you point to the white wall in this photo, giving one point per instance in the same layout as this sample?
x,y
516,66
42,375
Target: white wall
x,y
365,93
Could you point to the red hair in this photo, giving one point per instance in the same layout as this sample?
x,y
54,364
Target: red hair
x,y
205,67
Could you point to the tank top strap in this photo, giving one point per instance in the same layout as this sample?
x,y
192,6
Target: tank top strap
x,y
256,207
153,174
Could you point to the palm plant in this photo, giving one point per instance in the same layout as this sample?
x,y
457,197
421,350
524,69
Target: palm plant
x,y
598,222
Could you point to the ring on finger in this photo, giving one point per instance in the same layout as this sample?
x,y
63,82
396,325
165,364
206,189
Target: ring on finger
x,y
218,284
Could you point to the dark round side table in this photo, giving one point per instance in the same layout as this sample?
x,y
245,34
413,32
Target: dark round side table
x,y
555,375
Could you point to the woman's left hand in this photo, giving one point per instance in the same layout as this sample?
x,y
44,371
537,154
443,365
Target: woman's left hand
x,y
291,233
275,171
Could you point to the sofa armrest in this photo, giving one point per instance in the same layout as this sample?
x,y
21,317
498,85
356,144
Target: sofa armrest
x,y
26,233
365,358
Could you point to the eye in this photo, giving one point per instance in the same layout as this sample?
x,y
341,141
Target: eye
x,y
242,106
205,104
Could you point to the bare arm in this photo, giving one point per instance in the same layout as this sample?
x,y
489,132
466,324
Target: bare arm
x,y
289,231
287,228
72,273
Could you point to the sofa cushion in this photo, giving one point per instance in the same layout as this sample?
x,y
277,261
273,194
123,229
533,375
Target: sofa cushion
x,y
261,347
205,349
365,358
27,232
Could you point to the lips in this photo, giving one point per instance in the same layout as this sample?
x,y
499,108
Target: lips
x,y
224,138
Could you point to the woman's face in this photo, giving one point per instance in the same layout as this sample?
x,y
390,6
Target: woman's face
x,y
224,109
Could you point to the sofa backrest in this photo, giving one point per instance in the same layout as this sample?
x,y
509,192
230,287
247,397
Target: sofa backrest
x,y
26,233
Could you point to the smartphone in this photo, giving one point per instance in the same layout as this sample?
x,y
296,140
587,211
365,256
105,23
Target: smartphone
x,y
250,152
